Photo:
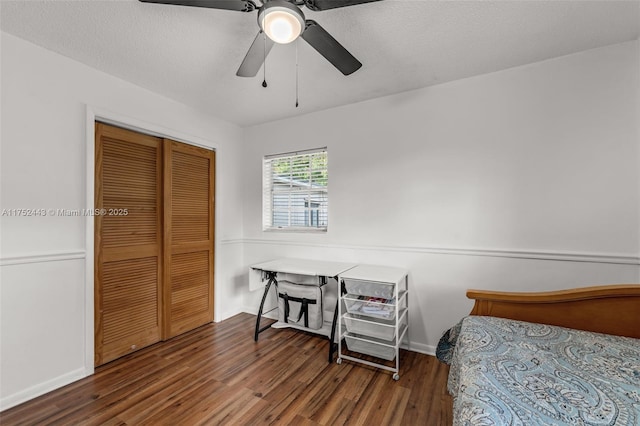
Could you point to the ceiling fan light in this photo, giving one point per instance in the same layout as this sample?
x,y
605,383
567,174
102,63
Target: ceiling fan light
x,y
281,27
282,21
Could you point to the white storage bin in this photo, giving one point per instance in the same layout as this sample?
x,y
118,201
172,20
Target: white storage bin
x,y
370,348
373,315
381,329
360,305
370,288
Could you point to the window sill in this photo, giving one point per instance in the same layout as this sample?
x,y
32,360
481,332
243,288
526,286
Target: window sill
x,y
299,230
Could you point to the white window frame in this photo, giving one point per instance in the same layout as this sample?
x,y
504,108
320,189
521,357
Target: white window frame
x,y
305,190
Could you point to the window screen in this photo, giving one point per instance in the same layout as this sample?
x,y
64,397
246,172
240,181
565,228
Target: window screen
x,y
295,191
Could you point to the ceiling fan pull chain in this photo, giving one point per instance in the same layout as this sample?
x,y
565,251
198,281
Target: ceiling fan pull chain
x,y
264,61
297,73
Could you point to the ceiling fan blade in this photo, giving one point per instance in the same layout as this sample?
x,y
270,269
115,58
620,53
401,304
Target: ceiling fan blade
x,y
239,5
254,58
319,5
329,47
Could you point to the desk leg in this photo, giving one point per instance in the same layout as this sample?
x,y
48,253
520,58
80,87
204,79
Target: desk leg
x,y
272,280
332,344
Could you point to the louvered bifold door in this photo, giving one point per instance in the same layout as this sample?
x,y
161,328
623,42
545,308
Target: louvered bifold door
x,y
188,236
128,242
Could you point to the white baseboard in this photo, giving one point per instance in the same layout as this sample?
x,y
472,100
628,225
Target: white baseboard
x,y
41,388
253,310
422,348
413,346
227,314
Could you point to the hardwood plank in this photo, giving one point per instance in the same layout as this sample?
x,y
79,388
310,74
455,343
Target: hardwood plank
x,y
217,374
370,405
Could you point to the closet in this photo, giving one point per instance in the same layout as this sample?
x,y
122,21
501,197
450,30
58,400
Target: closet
x,y
154,240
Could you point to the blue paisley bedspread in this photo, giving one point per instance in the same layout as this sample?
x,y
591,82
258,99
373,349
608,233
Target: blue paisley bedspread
x,y
507,372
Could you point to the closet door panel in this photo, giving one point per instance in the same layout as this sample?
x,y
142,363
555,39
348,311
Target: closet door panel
x,y
188,236
128,242
130,306
190,290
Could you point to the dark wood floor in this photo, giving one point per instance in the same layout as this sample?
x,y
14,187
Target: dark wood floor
x,y
217,374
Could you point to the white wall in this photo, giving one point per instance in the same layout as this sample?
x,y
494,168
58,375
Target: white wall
x,y
46,327
524,179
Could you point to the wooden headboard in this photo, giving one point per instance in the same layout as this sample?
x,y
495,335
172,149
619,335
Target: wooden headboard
x,y
611,309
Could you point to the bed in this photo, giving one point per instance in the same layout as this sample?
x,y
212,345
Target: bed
x,y
569,357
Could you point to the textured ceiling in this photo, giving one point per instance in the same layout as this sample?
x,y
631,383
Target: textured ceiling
x,y
191,54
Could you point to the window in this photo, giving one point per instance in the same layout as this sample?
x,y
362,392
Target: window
x,y
295,191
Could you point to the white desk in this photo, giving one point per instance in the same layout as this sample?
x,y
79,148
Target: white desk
x,y
314,268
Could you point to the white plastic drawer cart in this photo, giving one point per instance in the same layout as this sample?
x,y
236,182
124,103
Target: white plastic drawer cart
x,y
373,314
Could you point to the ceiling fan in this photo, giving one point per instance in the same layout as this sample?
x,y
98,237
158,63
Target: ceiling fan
x,y
283,22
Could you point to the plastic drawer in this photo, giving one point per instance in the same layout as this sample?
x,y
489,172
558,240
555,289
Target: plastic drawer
x,y
380,329
370,348
370,288
373,309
